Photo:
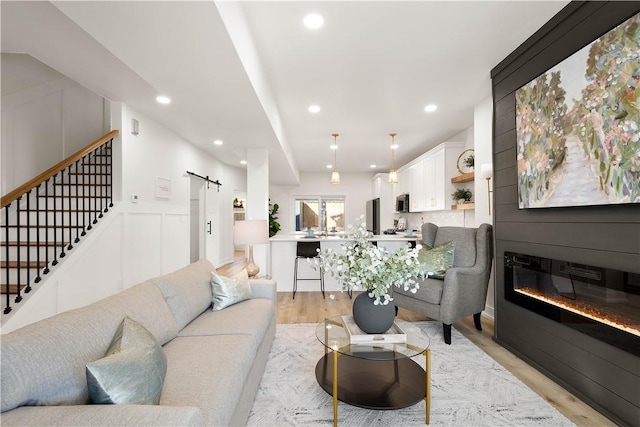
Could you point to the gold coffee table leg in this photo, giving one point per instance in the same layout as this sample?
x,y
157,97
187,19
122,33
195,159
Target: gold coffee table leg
x,y
427,396
335,388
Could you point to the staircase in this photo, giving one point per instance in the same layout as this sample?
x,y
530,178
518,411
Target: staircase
x,y
44,218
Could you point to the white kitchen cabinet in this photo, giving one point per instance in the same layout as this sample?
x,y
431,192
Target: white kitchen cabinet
x,y
430,178
417,195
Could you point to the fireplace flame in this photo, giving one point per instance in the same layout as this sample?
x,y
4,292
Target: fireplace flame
x,y
586,309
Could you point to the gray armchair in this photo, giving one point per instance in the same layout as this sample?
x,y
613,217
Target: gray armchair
x,y
463,291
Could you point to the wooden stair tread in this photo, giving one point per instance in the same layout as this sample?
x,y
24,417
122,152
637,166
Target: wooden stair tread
x,y
23,264
58,210
42,226
25,244
13,289
57,196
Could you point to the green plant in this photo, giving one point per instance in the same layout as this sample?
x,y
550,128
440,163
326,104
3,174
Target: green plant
x,y
363,265
470,161
274,226
462,194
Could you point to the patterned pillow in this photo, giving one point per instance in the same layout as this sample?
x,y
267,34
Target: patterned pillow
x,y
229,290
436,261
132,372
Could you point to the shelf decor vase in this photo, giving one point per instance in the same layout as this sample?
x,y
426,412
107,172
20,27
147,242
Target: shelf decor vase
x,y
371,318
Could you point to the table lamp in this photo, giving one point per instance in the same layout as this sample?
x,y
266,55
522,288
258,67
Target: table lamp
x,y
251,232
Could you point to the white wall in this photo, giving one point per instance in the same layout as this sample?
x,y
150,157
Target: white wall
x,y
355,187
45,118
135,241
483,137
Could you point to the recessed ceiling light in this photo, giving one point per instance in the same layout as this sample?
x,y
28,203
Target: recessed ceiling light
x,y
329,166
217,142
243,162
163,99
314,108
373,166
313,21
430,108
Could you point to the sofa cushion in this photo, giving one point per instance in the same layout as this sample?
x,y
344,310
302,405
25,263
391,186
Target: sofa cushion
x,y
145,304
208,372
430,291
229,290
436,261
66,342
187,291
235,320
132,372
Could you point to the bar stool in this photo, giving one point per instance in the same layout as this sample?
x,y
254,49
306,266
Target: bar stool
x,y
307,250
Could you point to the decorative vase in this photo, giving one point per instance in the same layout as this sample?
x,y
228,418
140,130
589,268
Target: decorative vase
x,y
371,318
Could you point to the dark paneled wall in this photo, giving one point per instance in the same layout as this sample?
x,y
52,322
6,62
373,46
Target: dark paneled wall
x,y
607,236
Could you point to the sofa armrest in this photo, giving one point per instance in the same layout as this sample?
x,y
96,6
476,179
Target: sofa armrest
x,y
103,415
263,288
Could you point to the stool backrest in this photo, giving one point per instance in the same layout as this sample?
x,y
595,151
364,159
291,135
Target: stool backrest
x,y
308,249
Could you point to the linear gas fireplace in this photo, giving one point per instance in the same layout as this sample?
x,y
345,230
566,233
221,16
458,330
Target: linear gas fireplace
x,y
600,302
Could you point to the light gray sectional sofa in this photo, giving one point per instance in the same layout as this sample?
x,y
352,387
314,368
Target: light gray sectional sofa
x,y
215,359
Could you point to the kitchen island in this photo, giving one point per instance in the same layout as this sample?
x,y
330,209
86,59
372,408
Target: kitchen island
x,y
283,255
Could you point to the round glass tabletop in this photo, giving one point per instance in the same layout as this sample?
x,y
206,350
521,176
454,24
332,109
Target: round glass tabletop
x,y
407,341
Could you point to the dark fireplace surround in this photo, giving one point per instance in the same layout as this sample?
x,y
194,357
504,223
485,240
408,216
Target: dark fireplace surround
x,y
552,263
600,302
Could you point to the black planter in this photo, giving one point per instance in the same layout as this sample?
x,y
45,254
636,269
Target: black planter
x,y
373,319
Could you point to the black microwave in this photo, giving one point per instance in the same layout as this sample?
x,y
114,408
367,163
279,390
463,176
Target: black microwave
x,y
402,203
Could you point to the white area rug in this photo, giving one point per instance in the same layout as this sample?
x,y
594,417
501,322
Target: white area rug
x,y
468,388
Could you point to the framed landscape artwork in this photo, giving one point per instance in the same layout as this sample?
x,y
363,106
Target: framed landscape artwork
x,y
578,126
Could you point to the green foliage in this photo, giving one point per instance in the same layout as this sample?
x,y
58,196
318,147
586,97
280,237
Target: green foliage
x,y
462,194
274,226
469,161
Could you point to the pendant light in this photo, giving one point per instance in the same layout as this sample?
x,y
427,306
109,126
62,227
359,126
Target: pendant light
x,y
335,175
393,175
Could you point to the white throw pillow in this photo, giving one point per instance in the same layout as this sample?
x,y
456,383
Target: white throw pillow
x,y
229,290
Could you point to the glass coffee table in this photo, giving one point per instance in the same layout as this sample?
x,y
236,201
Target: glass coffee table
x,y
376,374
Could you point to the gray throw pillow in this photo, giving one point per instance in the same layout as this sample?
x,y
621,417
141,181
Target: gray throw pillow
x,y
133,370
436,261
229,290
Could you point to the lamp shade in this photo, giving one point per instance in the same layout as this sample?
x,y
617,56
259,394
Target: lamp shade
x,y
486,170
251,232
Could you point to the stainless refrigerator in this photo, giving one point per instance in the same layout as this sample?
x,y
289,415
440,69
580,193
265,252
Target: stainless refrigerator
x,y
373,216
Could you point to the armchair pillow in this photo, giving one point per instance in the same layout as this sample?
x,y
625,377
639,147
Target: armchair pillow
x,y
229,290
436,261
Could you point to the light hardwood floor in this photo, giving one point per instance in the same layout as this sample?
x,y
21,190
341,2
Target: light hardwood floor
x,y
310,307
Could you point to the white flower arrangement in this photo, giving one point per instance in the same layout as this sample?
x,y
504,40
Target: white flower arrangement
x,y
363,265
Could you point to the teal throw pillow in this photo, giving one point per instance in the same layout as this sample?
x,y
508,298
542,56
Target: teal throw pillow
x,y
133,370
436,261
229,290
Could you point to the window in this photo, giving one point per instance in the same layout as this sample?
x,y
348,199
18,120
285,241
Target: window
x,y
310,213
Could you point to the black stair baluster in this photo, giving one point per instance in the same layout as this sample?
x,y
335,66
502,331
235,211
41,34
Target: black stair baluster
x,y
62,199
101,186
79,191
28,288
95,192
109,146
85,209
70,213
38,277
7,308
19,296
46,227
55,224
